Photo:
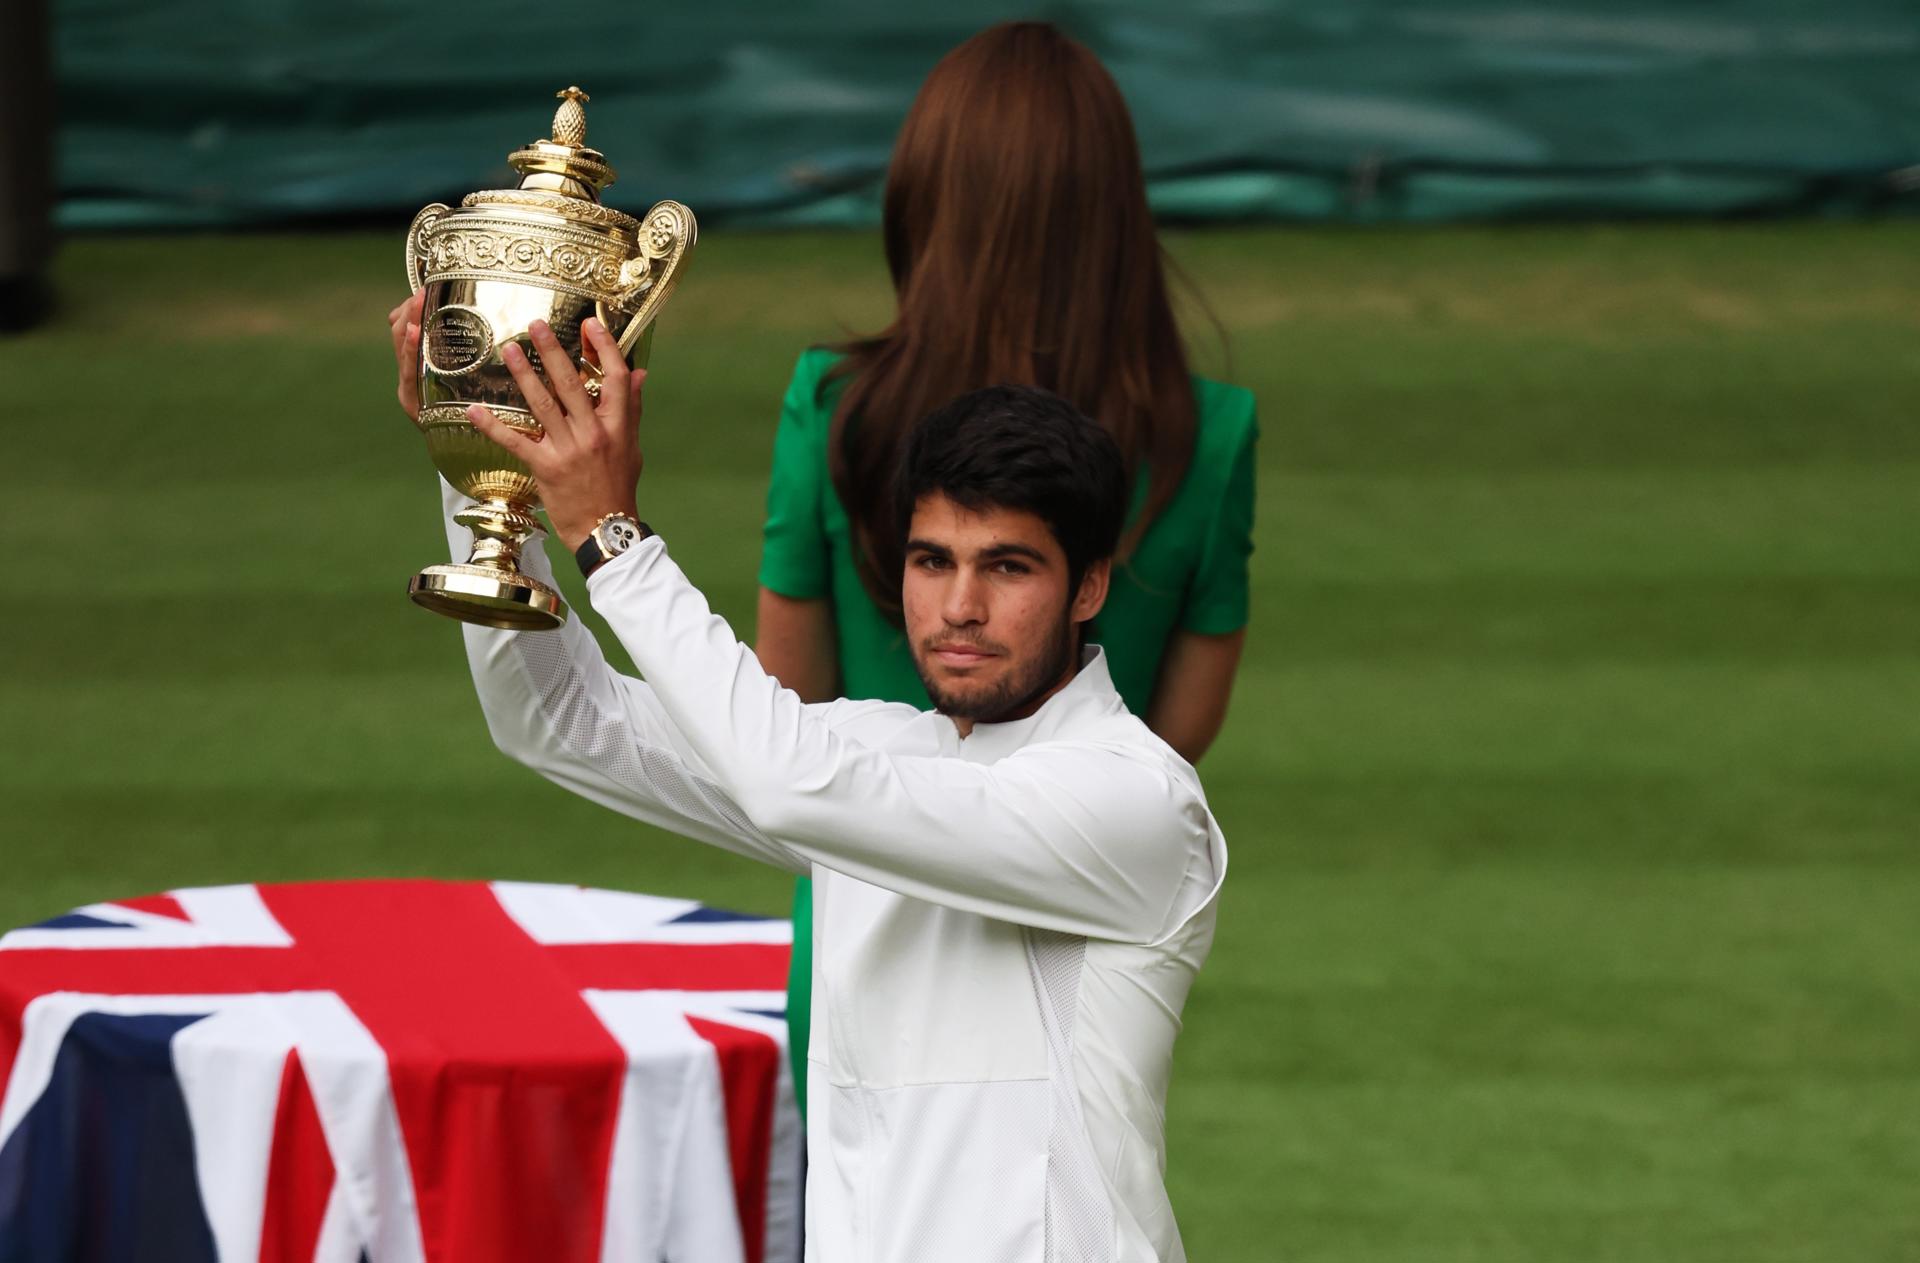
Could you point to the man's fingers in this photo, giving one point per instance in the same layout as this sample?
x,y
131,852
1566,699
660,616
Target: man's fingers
x,y
616,400
561,375
552,418
517,444
406,355
407,351
404,323
595,379
605,350
409,309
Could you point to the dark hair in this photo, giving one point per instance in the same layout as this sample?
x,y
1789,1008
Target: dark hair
x,y
1020,447
1022,250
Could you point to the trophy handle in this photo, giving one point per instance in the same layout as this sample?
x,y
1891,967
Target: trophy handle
x,y
417,243
647,280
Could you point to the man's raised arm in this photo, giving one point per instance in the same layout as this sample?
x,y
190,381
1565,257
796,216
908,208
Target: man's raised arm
x,y
554,703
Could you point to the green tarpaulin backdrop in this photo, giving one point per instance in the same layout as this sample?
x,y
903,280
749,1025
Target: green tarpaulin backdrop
x,y
245,111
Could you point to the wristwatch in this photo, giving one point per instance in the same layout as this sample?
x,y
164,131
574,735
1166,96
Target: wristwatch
x,y
611,536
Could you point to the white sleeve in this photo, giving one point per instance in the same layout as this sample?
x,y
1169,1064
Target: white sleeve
x,y
1096,840
554,703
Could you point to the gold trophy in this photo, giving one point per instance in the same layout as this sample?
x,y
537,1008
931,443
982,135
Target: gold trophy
x,y
550,251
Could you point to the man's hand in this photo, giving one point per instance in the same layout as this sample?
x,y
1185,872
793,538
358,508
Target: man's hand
x,y
403,322
587,459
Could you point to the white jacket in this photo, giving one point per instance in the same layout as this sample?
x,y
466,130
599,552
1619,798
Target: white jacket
x,y
1005,926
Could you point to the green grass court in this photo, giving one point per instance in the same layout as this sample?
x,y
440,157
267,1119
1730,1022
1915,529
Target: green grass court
x,y
1573,779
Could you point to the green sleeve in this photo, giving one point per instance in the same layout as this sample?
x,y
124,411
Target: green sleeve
x,y
795,556
1217,598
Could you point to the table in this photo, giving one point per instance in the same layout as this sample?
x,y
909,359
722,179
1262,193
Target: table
x,y
400,1072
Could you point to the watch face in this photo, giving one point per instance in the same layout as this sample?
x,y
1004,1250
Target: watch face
x,y
617,535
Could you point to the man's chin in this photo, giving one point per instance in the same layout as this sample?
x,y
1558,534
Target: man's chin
x,y
964,697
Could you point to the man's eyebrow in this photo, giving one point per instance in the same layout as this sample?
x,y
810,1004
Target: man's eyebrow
x,y
928,546
1014,550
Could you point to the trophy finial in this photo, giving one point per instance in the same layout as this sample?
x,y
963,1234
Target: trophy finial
x,y
562,163
570,121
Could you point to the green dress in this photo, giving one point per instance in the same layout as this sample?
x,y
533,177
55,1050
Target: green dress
x,y
1189,573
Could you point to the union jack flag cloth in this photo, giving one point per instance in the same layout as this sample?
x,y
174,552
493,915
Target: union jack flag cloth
x,y
397,1072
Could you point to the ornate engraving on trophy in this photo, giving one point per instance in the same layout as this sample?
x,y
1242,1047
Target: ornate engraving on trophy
x,y
585,263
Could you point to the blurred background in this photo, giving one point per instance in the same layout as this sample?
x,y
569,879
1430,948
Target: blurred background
x,y
1573,775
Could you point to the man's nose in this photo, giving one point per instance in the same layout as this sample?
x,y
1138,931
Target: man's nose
x,y
966,599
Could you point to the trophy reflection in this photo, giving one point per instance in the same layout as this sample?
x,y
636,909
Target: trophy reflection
x,y
547,250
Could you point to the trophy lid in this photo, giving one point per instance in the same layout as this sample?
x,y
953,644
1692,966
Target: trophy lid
x,y
562,163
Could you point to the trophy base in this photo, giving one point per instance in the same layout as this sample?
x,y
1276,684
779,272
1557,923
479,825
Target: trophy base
x,y
489,597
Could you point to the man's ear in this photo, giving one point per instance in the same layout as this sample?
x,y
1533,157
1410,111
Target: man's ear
x,y
1093,590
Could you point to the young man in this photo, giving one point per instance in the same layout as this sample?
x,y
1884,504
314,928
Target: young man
x,y
1013,892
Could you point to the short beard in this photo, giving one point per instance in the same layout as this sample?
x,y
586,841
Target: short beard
x,y
1012,696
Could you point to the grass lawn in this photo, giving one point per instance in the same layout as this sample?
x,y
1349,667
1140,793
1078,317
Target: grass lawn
x,y
1573,779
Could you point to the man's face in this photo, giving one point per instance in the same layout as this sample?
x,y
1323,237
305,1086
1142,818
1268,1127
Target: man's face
x,y
988,611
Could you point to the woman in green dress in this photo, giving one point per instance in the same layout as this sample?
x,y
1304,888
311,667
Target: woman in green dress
x,y
1022,250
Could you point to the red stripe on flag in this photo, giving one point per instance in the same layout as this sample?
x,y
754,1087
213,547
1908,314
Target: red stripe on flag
x,y
674,966
749,1075
300,1174
29,972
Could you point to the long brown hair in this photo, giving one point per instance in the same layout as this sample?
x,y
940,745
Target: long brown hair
x,y
1022,251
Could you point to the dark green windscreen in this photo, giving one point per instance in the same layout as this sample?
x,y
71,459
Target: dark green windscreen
x,y
238,111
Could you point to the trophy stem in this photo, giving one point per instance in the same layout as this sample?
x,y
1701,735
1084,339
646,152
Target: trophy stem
x,y
489,587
